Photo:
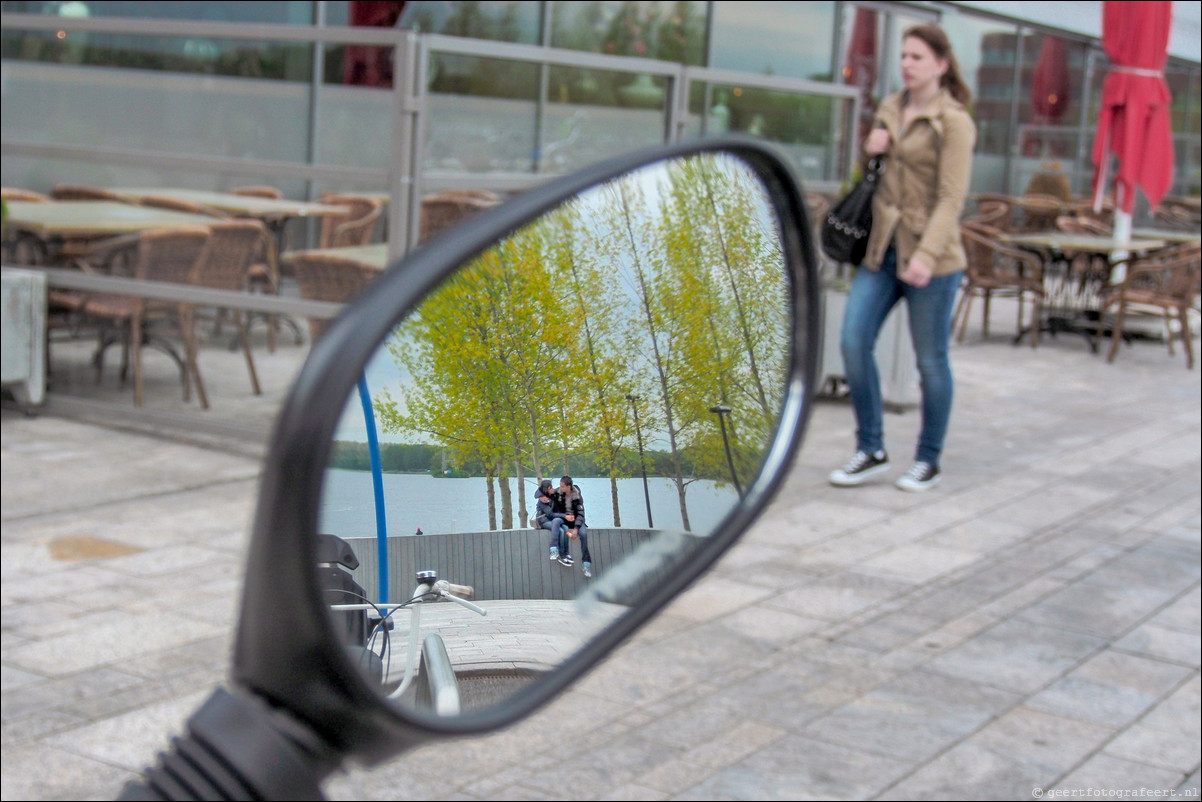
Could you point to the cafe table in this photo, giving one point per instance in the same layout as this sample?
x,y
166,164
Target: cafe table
x,y
56,228
1174,236
273,212
266,209
1072,298
375,254
88,219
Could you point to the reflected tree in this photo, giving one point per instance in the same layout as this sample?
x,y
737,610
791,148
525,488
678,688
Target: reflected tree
x,y
667,285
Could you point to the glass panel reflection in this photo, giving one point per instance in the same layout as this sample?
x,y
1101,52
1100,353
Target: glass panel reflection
x,y
634,341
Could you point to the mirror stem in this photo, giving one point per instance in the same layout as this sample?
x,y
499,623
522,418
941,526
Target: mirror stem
x,y
237,747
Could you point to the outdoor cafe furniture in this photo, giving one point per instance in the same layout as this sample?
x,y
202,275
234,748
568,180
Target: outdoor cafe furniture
x,y
323,275
1169,280
355,226
274,212
374,254
447,208
234,245
83,192
996,269
995,213
172,255
271,211
1179,212
1072,297
258,191
1039,212
1170,235
161,202
61,227
17,194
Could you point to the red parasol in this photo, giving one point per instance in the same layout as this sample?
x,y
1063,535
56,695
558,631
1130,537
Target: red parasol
x,y
1050,85
860,67
1134,119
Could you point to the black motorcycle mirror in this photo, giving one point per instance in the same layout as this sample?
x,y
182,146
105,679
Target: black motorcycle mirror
x,y
651,323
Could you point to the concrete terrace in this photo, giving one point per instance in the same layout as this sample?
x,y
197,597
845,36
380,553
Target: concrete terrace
x,y
1030,626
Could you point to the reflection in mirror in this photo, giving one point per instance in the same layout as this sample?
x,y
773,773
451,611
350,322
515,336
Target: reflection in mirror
x,y
637,339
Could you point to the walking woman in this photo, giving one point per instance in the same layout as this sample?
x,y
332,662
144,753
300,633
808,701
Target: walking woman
x,y
926,138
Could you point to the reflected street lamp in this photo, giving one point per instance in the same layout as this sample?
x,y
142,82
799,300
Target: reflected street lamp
x,y
642,464
722,412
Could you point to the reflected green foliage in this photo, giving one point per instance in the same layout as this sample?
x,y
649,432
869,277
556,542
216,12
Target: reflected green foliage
x,y
285,61
352,455
665,289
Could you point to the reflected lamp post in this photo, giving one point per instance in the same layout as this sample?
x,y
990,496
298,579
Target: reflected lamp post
x,y
722,412
642,464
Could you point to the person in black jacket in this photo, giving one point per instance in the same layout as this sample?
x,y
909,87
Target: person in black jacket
x,y
547,517
570,502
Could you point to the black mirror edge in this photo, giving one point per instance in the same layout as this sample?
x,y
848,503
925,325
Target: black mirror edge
x,y
285,652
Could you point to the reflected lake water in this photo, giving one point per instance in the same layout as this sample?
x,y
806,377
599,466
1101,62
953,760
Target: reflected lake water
x,y
440,505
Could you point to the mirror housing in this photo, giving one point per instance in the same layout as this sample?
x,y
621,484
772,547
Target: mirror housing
x,y
286,650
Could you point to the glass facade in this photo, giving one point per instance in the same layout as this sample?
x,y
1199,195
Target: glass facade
x,y
285,12
330,103
792,40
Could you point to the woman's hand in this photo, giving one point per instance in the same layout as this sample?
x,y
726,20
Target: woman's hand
x,y
916,273
877,142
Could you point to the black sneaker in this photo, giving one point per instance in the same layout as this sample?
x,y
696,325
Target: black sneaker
x,y
859,468
566,560
921,476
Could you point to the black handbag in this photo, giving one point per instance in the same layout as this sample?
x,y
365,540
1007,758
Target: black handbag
x,y
849,222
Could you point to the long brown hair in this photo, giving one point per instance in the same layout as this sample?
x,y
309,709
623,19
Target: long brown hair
x,y
937,40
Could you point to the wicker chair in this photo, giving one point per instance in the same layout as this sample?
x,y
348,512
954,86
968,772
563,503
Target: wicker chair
x,y
1168,280
444,209
168,254
1177,212
82,192
329,277
1078,224
1083,209
234,246
995,213
353,228
25,195
1040,211
258,192
997,269
20,247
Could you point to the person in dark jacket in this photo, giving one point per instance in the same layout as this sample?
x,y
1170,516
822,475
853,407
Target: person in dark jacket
x,y
546,517
570,502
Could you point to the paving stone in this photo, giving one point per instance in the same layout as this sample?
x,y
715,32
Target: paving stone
x,y
1111,774
1144,744
861,608
970,771
918,563
1034,736
1017,655
914,717
41,773
800,768
836,597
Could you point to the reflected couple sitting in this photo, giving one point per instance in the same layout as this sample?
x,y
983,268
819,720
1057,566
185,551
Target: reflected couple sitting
x,y
560,510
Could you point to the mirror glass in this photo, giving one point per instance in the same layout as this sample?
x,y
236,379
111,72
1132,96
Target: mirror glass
x,y
636,339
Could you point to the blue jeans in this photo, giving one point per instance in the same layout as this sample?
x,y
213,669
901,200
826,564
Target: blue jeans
x,y
582,533
873,294
557,528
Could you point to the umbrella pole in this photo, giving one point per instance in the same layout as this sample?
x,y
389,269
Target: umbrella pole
x,y
1099,191
1122,234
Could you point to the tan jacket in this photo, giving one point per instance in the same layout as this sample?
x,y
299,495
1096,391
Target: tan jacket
x,y
922,189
